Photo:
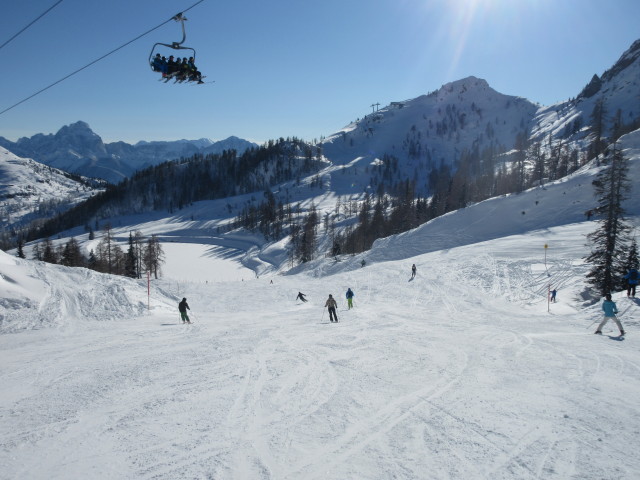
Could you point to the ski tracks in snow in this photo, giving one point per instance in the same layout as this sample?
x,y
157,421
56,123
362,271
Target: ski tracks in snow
x,y
284,384
440,377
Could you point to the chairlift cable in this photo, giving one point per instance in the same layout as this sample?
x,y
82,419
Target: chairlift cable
x,y
97,60
34,21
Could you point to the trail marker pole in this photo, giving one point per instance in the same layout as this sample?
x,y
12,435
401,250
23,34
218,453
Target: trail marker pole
x,y
549,288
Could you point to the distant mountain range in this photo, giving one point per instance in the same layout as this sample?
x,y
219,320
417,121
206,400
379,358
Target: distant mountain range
x,y
77,149
423,133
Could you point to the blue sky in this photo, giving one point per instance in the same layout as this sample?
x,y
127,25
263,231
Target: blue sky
x,y
290,67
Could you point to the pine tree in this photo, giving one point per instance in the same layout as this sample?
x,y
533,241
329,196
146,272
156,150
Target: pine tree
x,y
106,251
153,256
49,253
138,243
20,253
598,116
519,165
36,251
92,262
308,235
71,254
131,261
632,257
610,241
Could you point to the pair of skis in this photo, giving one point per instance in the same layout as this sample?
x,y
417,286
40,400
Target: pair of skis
x,y
178,79
618,316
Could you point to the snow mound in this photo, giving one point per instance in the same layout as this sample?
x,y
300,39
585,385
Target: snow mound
x,y
37,295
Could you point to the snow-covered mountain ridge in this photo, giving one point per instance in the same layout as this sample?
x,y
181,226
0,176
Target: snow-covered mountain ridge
x,y
78,149
30,189
432,130
619,91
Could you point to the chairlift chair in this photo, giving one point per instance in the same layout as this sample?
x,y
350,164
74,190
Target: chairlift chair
x,y
173,45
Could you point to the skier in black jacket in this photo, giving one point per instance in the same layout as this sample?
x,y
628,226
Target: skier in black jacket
x,y
183,306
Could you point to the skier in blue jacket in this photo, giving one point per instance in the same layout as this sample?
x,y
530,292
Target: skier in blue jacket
x,y
610,309
632,281
349,296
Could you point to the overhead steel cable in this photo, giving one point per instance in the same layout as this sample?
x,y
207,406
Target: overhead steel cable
x,y
95,61
42,15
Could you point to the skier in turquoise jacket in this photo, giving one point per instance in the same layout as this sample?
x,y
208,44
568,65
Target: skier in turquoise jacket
x,y
610,309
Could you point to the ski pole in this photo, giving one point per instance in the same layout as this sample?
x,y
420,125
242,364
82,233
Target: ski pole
x,y
625,311
591,324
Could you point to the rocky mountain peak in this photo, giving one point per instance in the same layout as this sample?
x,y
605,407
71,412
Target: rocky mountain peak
x,y
628,58
78,130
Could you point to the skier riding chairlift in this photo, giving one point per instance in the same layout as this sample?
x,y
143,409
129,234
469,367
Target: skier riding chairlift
x,y
158,62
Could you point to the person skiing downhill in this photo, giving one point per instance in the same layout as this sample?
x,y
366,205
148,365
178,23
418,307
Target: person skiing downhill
x,y
183,306
553,295
350,296
610,309
301,297
413,271
632,282
331,305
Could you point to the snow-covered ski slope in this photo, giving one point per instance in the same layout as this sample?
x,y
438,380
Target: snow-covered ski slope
x,y
464,372
460,373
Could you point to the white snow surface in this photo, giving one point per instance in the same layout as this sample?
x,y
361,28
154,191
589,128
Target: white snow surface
x,y
465,372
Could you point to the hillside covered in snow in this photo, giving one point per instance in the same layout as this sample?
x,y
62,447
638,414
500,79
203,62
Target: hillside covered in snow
x,y
465,371
30,190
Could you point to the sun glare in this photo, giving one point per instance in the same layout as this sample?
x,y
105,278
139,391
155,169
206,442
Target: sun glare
x,y
492,21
